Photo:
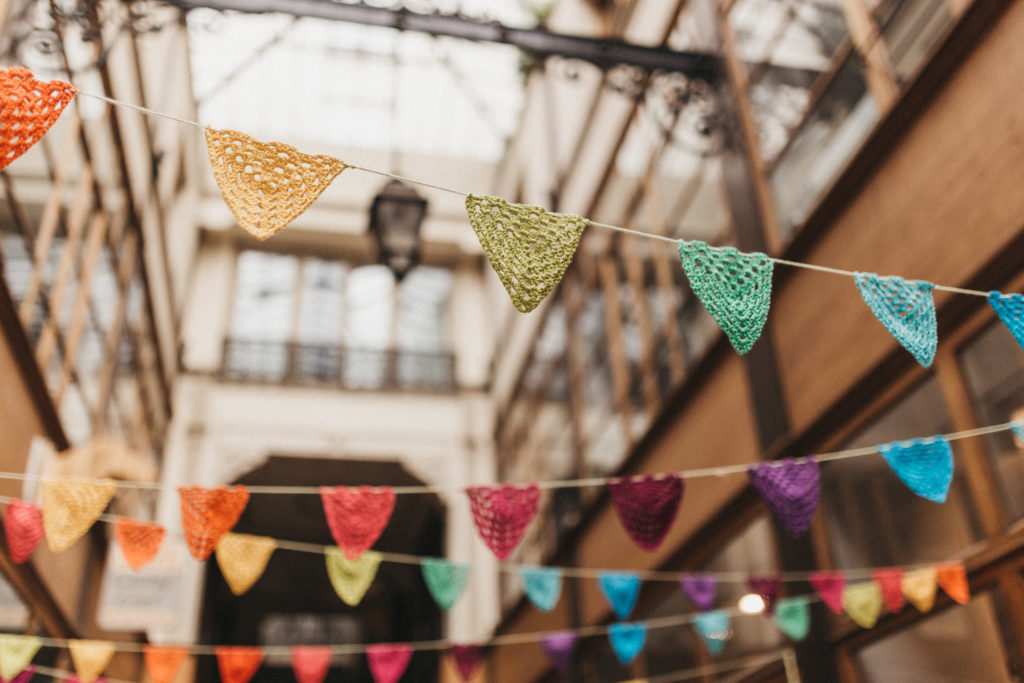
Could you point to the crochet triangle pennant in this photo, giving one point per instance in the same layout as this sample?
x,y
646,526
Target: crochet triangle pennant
x,y
28,108
768,588
714,628
466,659
502,513
790,488
208,514
71,507
1010,309
701,589
26,675
90,657
890,582
139,541
238,664
863,602
647,506
734,287
267,184
528,247
627,639
388,661
351,578
793,617
906,309
559,647
163,663
919,588
543,585
243,558
830,585
16,653
310,663
445,580
357,515
23,526
953,578
621,590
924,465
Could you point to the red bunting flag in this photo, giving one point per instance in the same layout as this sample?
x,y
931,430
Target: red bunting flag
x,y
647,506
467,658
890,581
357,516
768,588
953,578
238,664
28,108
140,541
388,661
163,663
23,525
830,585
502,513
310,663
208,514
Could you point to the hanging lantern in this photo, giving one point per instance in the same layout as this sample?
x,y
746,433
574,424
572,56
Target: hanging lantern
x,y
395,218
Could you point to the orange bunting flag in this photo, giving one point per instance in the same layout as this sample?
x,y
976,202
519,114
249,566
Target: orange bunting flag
x,y
71,507
953,578
90,657
23,525
28,109
139,541
267,184
208,514
242,559
238,664
163,663
310,663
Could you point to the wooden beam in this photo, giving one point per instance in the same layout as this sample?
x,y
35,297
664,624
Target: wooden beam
x,y
609,279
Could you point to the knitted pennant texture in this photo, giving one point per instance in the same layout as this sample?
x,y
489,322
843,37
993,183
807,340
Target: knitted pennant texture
x,y
735,288
906,309
528,247
863,602
23,526
238,664
357,515
647,506
830,585
310,663
543,585
627,640
466,659
502,513
621,590
793,617
559,648
919,588
701,589
163,663
924,465
139,541
1010,309
71,507
445,580
714,629
243,558
16,652
208,514
90,657
28,108
267,184
791,490
768,588
388,661
351,578
890,582
953,578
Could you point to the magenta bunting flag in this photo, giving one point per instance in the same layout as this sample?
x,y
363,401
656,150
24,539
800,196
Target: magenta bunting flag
x,y
791,490
467,658
310,663
23,524
830,585
502,513
357,516
29,671
388,661
647,506
559,648
890,580
768,588
701,589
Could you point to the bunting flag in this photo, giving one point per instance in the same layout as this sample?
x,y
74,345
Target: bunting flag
x,y
238,664
793,617
243,558
924,465
863,602
790,489
701,589
310,663
466,659
528,247
735,288
445,580
26,675
953,578
388,661
559,648
1018,431
90,657
16,653
75,679
906,309
890,582
714,628
28,108
543,585
627,639
23,526
1010,309
621,590
267,184
163,663
919,588
647,506
357,516
139,541
502,513
830,585
351,578
71,507
768,588
208,514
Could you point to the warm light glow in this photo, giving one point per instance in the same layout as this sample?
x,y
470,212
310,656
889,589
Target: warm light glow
x,y
751,603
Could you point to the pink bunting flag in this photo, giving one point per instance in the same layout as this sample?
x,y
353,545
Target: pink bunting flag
x,y
502,513
310,663
238,664
357,515
830,585
467,658
890,580
647,506
388,661
768,588
29,671
23,525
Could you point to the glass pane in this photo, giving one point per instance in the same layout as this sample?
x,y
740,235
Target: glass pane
x,y
423,310
370,303
321,302
264,294
910,29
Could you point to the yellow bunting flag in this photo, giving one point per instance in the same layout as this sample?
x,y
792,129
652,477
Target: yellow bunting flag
x,y
863,602
16,652
70,507
267,184
528,247
242,559
90,657
352,578
919,588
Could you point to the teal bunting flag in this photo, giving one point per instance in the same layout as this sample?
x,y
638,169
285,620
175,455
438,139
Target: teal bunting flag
x,y
543,585
445,580
714,628
906,309
924,465
793,617
1010,308
621,590
627,640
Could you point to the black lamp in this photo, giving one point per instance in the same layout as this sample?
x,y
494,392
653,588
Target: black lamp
x,y
395,218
